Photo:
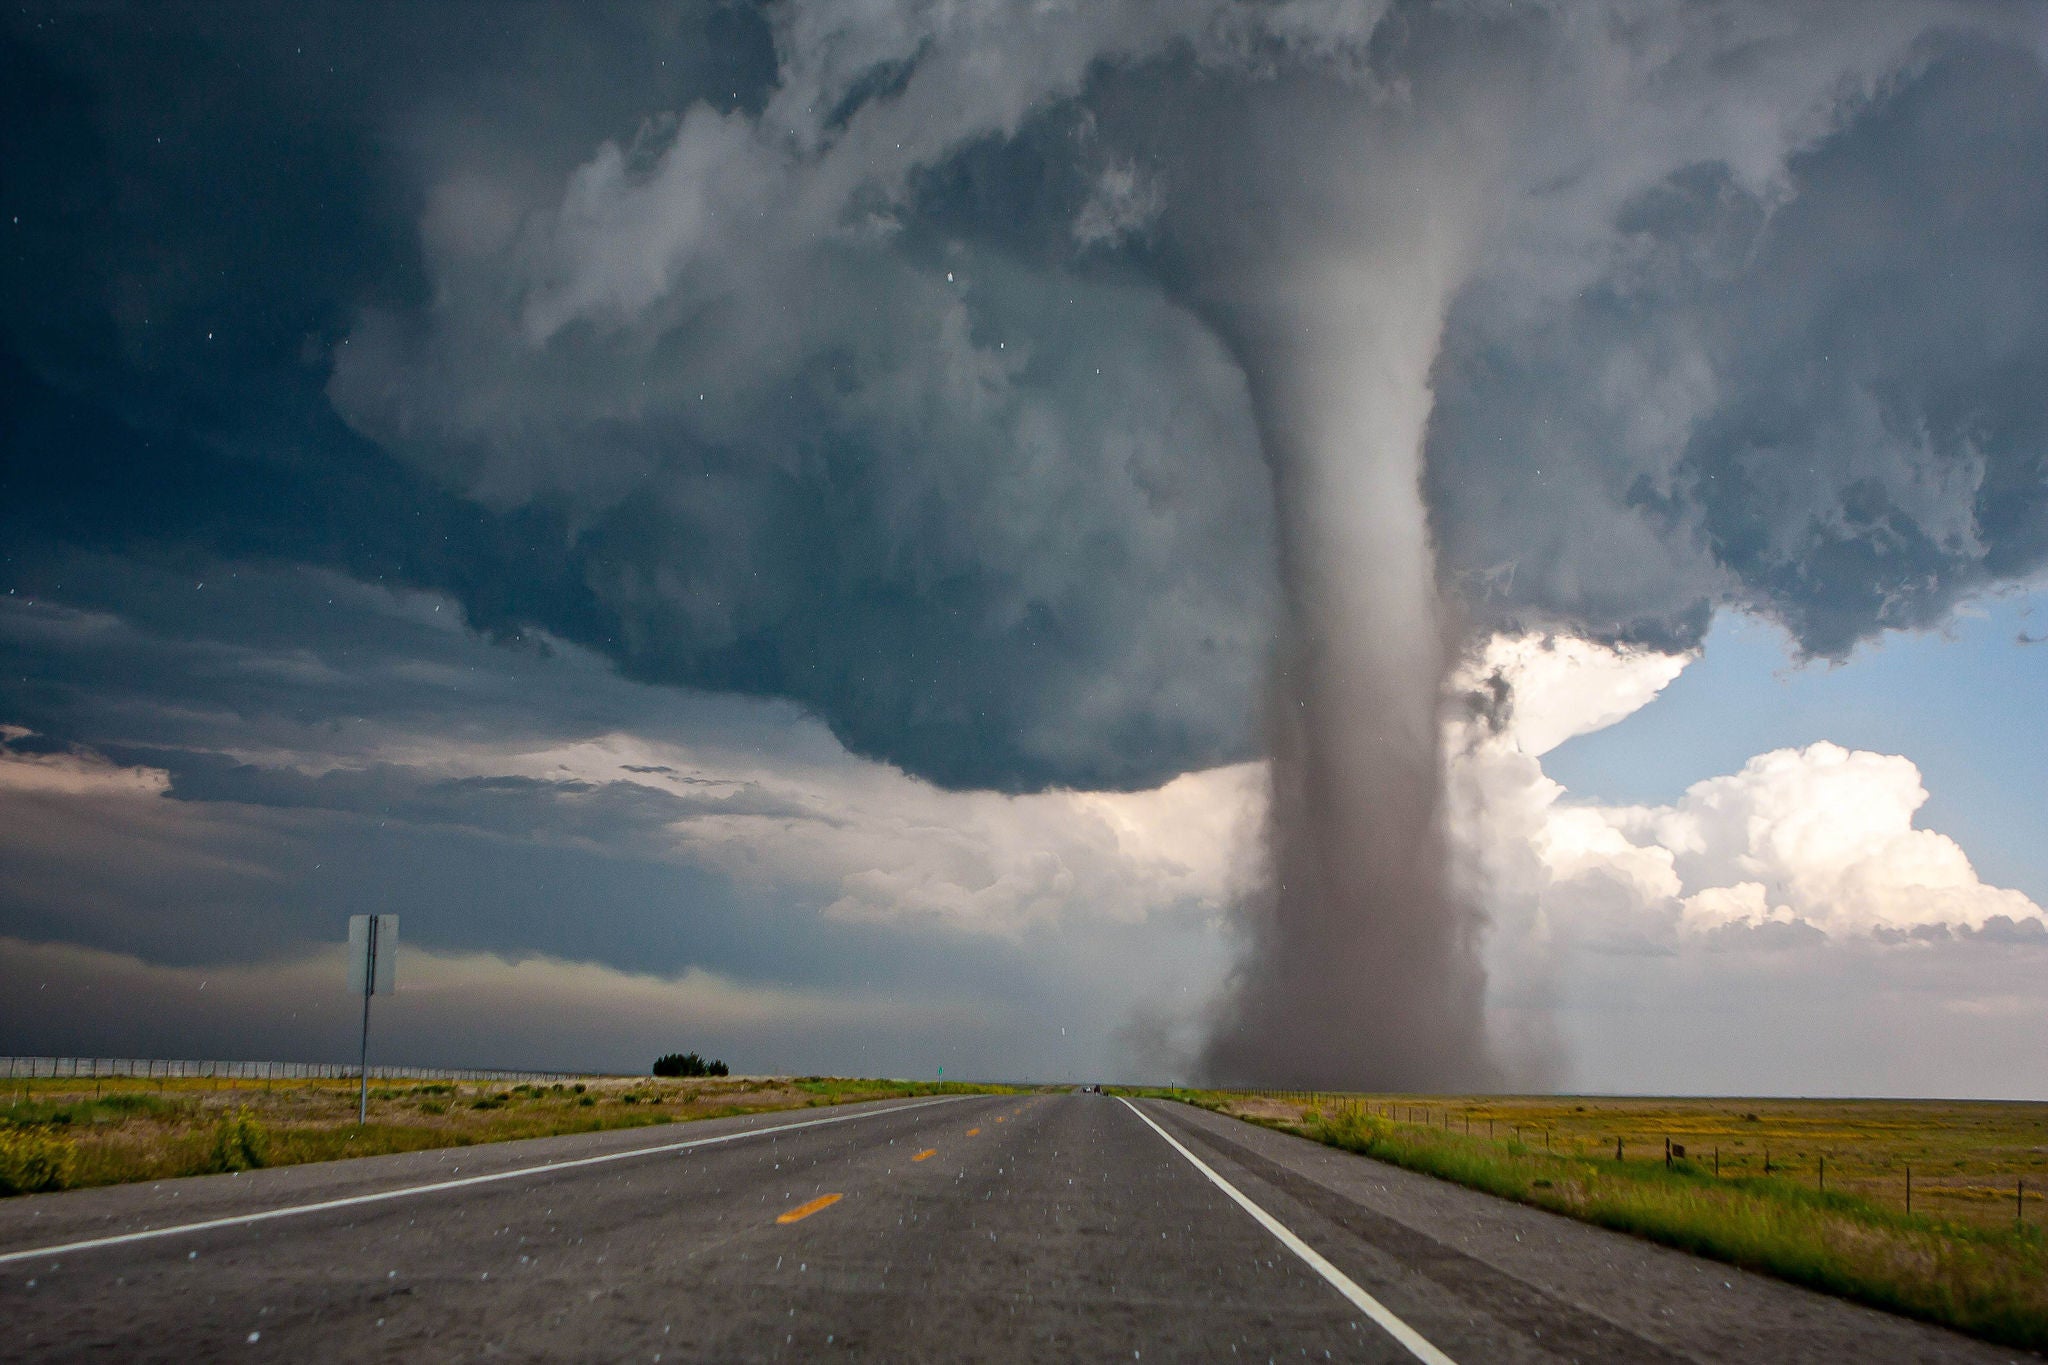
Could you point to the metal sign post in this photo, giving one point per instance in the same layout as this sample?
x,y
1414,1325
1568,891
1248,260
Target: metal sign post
x,y
373,970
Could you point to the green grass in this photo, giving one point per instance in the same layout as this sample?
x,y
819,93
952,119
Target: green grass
x,y
840,1090
1989,1280
65,1112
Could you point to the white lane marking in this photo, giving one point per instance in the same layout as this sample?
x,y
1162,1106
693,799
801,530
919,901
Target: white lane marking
x,y
1418,1345
293,1211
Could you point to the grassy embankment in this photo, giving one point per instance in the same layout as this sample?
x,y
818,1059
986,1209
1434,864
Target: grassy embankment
x,y
1961,1258
64,1134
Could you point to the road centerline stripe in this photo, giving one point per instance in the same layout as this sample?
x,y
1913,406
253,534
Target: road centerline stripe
x,y
926,1153
380,1196
1413,1341
805,1210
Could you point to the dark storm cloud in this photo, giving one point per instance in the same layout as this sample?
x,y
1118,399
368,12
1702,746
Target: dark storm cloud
x,y
1824,402
957,591
507,807
186,864
236,788
1819,401
239,860
182,851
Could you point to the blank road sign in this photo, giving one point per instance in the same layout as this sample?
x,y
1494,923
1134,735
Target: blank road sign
x,y
363,945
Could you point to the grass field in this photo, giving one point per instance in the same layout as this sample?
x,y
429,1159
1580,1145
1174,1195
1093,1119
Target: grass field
x,y
1829,1214
68,1133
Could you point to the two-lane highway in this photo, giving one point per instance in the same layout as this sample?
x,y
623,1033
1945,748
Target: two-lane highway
x,y
1072,1226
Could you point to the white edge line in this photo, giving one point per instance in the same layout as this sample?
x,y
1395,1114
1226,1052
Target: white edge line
x,y
406,1191
1417,1345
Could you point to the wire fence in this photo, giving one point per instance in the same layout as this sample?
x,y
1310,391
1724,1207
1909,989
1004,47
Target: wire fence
x,y
90,1068
1875,1176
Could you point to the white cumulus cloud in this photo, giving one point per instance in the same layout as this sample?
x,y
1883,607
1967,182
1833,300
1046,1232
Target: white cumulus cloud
x,y
1822,835
1818,838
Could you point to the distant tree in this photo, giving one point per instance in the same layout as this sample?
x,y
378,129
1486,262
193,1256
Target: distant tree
x,y
688,1064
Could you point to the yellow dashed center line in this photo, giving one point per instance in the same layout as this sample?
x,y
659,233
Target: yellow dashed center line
x,y
803,1211
929,1151
972,1132
999,1118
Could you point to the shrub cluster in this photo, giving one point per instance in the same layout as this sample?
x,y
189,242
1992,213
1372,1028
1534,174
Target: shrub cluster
x,y
688,1064
239,1142
31,1161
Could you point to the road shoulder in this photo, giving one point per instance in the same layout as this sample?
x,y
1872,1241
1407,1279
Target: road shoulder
x,y
1683,1305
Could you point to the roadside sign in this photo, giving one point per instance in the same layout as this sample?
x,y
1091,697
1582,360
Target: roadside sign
x,y
372,970
372,954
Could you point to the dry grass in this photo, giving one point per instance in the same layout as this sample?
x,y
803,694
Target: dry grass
x,y
1962,1258
1968,1158
115,1130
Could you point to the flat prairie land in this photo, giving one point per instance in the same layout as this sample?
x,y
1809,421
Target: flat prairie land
x,y
67,1133
1813,1191
1971,1161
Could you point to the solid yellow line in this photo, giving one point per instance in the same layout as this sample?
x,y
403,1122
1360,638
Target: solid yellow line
x,y
972,1132
803,1211
929,1151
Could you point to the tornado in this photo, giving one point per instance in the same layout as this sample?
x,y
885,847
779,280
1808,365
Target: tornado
x,y
1361,965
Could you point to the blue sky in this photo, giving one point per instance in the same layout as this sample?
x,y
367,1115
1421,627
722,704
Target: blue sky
x,y
1967,703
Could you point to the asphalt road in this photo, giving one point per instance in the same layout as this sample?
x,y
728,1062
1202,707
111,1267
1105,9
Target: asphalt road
x,y
1047,1227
